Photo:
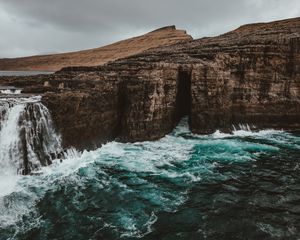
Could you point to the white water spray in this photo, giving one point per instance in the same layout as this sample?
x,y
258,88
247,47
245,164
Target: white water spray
x,y
27,137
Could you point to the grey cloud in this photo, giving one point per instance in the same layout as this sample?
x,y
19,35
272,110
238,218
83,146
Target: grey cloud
x,y
36,26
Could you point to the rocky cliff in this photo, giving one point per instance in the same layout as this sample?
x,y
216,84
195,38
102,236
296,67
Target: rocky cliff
x,y
248,76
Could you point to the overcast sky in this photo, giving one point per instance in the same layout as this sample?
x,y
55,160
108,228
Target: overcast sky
x,y
30,27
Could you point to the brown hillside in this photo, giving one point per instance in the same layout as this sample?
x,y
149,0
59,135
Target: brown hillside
x,y
98,56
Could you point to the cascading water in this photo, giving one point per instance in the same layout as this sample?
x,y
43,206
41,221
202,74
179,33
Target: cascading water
x,y
10,91
243,127
27,137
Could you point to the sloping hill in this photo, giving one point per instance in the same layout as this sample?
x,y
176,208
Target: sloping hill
x,y
98,56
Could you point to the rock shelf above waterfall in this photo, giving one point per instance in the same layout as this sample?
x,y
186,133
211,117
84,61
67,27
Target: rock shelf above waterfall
x,y
9,90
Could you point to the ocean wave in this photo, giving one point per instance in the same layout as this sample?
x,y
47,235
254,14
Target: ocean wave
x,y
131,182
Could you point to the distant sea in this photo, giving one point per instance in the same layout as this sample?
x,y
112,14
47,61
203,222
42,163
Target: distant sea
x,y
22,73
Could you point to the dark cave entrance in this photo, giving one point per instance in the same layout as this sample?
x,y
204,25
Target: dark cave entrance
x,y
183,97
122,109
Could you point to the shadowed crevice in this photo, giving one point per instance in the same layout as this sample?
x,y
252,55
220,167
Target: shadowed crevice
x,y
183,97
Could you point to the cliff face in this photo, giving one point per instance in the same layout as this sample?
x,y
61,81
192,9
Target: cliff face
x,y
253,76
247,76
98,56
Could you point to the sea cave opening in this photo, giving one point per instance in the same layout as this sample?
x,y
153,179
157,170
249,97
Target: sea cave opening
x,y
183,97
122,108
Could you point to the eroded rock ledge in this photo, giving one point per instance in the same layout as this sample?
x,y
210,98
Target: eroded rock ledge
x,y
247,76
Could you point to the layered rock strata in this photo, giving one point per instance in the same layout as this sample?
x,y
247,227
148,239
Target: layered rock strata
x,y
247,76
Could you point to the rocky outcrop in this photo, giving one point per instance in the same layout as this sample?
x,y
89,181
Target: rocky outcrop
x,y
247,76
92,107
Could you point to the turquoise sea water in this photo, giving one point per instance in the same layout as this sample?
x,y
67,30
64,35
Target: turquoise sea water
x,y
184,186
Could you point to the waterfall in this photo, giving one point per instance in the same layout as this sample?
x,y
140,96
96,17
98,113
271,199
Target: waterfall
x,y
10,91
28,139
243,127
